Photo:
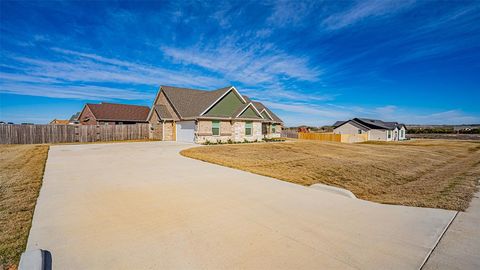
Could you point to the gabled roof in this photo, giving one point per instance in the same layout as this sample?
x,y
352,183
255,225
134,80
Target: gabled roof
x,y
74,117
194,103
338,123
119,112
162,112
373,123
191,102
239,113
229,89
367,124
262,107
380,123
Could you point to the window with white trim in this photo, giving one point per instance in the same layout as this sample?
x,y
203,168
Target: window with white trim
x,y
216,128
248,128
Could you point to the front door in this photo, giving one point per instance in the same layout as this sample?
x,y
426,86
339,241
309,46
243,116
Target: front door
x,y
264,128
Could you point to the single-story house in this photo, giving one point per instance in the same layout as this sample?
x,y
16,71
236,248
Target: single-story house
x,y
112,114
377,130
191,115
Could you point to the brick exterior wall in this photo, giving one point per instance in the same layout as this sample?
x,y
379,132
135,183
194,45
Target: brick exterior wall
x,y
204,132
225,128
168,129
160,130
277,134
234,131
257,132
87,114
156,130
204,128
163,101
228,131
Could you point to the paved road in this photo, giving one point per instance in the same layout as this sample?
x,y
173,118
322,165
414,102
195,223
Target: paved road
x,y
459,248
143,206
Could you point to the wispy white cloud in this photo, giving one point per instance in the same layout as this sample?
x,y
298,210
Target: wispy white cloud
x,y
246,64
322,112
443,117
279,93
364,10
304,113
416,115
457,27
84,92
81,75
290,13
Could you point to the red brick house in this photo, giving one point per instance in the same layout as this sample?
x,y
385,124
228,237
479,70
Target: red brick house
x,y
113,114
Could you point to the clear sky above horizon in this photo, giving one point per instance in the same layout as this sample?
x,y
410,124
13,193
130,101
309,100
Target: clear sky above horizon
x,y
312,62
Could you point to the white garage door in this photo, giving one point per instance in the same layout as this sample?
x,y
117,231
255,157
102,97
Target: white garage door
x,y
185,131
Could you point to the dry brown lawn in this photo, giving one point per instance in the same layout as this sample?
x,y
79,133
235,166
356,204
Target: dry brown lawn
x,y
426,173
21,172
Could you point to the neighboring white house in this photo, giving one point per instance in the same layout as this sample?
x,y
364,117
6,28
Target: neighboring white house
x,y
376,130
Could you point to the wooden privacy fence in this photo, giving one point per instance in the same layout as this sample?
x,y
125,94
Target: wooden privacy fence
x,y
320,136
346,138
34,134
289,134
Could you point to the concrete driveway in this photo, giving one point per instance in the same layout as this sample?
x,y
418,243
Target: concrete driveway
x,y
143,206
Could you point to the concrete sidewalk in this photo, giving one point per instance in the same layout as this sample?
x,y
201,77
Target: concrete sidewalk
x,y
143,206
459,248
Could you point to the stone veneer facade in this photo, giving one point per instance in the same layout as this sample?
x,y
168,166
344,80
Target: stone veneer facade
x,y
161,130
229,130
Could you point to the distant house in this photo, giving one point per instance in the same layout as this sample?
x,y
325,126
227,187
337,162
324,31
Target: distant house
x,y
74,119
58,122
112,114
191,115
303,129
377,130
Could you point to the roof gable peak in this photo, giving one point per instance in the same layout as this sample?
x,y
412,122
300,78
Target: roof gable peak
x,y
249,105
232,88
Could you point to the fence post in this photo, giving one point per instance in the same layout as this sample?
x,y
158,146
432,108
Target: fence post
x,y
97,133
77,135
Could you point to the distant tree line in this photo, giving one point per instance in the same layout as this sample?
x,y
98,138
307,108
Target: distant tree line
x,y
321,129
471,131
441,130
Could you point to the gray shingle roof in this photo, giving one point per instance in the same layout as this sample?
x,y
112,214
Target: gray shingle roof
x,y
370,124
239,109
162,112
338,123
119,112
191,103
74,117
260,108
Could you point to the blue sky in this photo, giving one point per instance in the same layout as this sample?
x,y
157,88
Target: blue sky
x,y
311,62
